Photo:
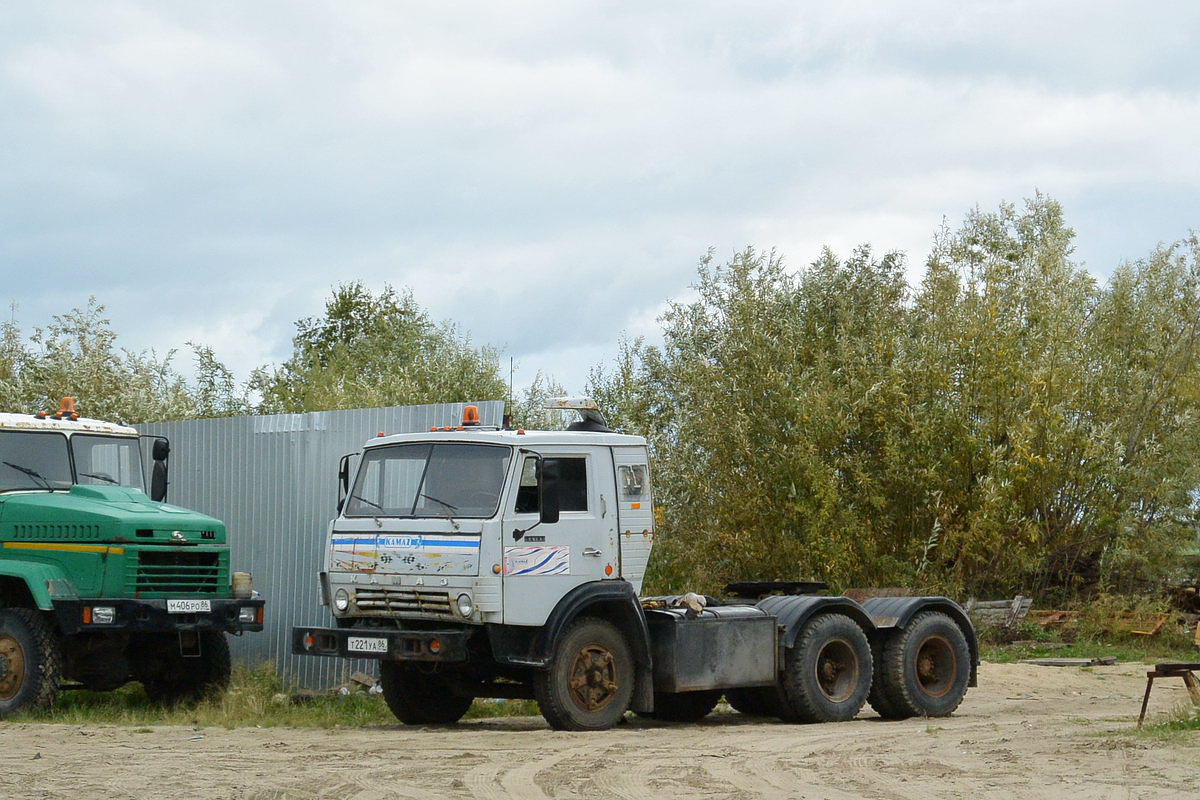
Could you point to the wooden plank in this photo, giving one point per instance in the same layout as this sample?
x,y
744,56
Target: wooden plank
x,y
1100,661
1156,623
1053,617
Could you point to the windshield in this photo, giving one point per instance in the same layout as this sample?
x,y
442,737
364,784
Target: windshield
x,y
108,460
429,480
33,460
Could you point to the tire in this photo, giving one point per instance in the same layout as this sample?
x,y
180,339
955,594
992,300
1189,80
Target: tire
x,y
926,668
589,683
684,706
186,680
755,701
30,661
420,698
827,672
878,697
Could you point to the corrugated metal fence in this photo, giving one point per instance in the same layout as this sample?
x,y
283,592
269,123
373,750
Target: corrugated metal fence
x,y
273,481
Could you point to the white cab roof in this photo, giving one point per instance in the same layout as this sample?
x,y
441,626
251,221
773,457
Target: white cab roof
x,y
531,439
28,422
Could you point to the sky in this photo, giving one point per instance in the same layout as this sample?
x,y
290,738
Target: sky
x,y
547,174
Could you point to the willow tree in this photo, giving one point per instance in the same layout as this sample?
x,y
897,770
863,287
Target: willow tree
x,y
77,354
371,350
776,391
1008,425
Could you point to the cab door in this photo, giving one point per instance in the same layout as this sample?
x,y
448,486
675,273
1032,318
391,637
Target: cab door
x,y
635,507
542,563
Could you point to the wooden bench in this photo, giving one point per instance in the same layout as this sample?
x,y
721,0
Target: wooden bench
x,y
1171,671
1002,613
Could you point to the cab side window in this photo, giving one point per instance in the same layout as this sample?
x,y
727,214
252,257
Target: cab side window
x,y
572,485
635,483
527,493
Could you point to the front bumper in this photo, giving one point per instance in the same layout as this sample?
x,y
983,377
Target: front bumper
x,y
149,616
447,646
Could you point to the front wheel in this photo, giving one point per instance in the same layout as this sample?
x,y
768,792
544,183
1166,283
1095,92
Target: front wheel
x,y
417,697
30,661
589,683
926,668
827,672
178,679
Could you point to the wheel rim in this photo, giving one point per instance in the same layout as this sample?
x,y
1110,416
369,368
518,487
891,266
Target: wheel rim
x,y
12,667
593,678
837,670
936,666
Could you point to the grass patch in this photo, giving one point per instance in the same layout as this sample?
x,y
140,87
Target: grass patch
x,y
255,698
1152,651
1180,727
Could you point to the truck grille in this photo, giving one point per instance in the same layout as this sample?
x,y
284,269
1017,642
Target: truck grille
x,y
401,600
179,572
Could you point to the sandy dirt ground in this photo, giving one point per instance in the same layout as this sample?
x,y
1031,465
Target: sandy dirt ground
x,y
1025,732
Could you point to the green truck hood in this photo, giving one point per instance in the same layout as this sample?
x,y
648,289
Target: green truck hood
x,y
103,513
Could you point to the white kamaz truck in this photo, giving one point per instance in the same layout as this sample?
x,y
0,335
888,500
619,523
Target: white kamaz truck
x,y
484,562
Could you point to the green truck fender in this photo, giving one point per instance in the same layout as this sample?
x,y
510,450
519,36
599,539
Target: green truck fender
x,y
45,582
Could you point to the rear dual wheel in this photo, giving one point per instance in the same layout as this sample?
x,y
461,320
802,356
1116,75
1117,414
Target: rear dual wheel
x,y
924,669
755,701
177,679
827,672
417,697
684,706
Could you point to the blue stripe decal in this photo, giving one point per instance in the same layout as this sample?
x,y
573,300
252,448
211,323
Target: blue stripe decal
x,y
409,542
539,565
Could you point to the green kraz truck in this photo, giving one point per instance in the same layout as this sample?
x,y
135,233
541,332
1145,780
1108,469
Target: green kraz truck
x,y
100,582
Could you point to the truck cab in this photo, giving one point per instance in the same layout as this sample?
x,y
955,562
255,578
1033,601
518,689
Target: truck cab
x,y
448,525
102,582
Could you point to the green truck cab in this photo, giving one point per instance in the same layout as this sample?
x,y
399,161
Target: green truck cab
x,y
100,582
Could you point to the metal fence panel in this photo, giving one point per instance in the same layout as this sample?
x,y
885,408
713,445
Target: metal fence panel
x,y
273,481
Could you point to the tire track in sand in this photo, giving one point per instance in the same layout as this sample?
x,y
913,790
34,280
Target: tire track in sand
x,y
626,780
496,781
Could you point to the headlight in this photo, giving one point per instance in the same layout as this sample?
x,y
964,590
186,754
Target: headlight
x,y
465,606
242,585
248,614
104,615
341,600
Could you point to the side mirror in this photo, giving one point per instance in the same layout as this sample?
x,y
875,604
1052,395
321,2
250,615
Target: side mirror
x,y
548,490
344,480
158,473
158,481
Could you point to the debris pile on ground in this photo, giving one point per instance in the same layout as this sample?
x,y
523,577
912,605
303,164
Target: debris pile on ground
x,y
357,683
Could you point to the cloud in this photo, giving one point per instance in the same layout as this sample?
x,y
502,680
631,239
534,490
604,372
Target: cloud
x,y
546,174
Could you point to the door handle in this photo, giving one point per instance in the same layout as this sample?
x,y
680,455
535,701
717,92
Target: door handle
x,y
591,551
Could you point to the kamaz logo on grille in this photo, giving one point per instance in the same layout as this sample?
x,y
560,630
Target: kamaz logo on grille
x,y
401,542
